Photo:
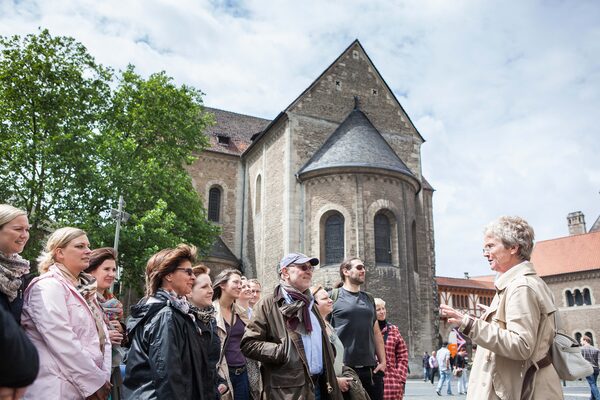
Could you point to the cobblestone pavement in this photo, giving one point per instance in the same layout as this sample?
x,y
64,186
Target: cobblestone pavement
x,y
416,389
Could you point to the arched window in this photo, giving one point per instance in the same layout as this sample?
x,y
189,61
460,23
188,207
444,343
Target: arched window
x,y
587,299
383,244
578,297
214,204
334,239
589,334
258,194
570,299
578,337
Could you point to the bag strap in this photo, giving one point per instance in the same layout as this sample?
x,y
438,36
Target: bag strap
x,y
228,334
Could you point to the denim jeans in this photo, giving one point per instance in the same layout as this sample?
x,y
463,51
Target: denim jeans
x,y
445,376
317,392
592,379
241,386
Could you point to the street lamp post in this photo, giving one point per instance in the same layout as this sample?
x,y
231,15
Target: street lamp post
x,y
119,216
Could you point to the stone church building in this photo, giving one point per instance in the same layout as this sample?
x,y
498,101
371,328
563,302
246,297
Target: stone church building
x,y
336,174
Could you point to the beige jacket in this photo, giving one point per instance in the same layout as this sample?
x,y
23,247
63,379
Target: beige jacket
x,y
515,331
222,368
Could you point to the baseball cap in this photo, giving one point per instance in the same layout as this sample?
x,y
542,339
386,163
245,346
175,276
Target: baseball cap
x,y
296,258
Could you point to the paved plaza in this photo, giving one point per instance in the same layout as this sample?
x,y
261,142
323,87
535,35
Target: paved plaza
x,y
419,390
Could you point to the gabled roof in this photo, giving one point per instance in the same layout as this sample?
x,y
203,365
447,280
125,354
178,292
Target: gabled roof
x,y
221,251
567,254
356,42
356,143
239,128
464,283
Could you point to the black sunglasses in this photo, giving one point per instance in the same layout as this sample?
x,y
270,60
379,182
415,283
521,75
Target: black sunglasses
x,y
188,271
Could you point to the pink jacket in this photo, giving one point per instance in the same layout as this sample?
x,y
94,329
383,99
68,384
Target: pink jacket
x,y
60,324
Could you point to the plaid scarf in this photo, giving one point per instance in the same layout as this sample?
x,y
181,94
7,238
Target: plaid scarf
x,y
179,302
297,313
112,307
12,269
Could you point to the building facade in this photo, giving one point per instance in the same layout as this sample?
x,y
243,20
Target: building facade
x,y
336,174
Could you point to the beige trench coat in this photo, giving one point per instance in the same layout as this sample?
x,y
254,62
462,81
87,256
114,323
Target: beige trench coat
x,y
515,331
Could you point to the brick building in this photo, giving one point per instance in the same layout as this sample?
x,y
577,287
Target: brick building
x,y
571,267
336,174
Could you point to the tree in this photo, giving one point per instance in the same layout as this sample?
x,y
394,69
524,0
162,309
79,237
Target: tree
x,y
71,145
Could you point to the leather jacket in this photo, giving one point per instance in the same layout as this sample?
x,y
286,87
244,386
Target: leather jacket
x,y
285,371
166,359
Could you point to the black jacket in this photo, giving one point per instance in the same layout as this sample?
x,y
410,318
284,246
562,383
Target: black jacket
x,y
212,344
166,359
20,362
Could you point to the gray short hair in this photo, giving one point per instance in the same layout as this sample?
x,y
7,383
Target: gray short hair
x,y
513,231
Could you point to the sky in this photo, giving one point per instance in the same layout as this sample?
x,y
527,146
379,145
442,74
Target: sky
x,y
505,93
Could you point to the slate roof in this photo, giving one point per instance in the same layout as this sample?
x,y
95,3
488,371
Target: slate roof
x,y
464,283
356,143
239,128
567,254
220,250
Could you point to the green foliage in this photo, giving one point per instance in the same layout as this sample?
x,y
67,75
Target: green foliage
x,y
71,145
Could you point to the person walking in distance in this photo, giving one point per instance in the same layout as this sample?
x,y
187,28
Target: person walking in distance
x,y
592,355
354,319
433,365
443,359
426,367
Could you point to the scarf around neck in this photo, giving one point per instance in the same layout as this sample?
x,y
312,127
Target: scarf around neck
x,y
112,307
87,288
297,313
179,302
12,269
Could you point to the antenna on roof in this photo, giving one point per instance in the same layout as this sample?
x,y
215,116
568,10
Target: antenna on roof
x,y
356,103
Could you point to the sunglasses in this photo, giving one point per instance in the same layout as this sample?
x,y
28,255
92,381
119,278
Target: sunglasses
x,y
304,267
359,267
188,271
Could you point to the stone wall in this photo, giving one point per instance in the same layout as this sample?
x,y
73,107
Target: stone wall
x,y
225,171
584,318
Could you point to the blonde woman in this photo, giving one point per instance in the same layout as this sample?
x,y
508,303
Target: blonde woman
x,y
14,345
65,322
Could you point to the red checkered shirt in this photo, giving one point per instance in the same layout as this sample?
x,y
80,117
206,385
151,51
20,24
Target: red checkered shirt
x,y
396,358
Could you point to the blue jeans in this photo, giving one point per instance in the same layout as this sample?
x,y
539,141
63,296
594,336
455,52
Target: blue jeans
x,y
241,386
445,376
592,379
317,392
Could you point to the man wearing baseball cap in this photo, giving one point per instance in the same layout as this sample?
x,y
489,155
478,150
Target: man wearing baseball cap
x,y
287,334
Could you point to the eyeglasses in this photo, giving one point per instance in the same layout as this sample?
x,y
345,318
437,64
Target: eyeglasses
x,y
359,267
488,247
188,271
304,267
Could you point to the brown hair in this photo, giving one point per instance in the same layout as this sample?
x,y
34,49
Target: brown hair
x,y
223,277
345,265
100,255
200,269
164,263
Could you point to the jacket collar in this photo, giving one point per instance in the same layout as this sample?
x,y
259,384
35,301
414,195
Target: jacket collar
x,y
522,269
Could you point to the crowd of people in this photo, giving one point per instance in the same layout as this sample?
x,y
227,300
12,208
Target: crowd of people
x,y
188,337
65,334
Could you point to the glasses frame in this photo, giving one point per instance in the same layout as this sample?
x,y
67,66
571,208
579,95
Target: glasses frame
x,y
188,271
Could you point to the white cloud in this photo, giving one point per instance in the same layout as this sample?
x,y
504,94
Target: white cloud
x,y
506,94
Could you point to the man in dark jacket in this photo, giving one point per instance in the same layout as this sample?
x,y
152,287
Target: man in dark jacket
x,y
20,361
287,334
